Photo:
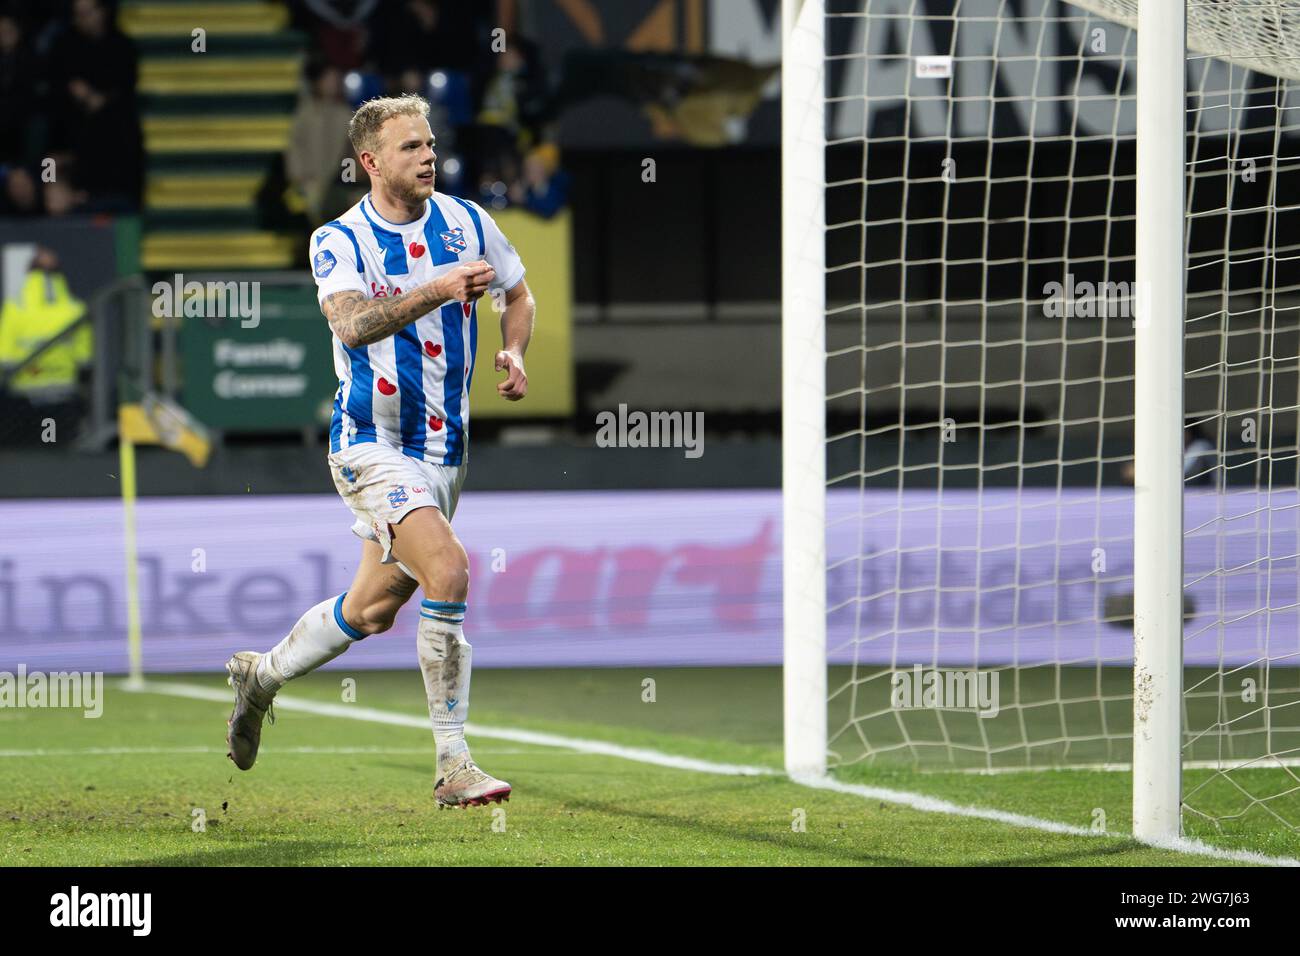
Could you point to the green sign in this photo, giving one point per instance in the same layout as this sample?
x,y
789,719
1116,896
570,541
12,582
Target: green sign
x,y
270,372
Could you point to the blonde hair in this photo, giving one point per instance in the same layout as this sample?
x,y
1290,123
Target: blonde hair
x,y
363,128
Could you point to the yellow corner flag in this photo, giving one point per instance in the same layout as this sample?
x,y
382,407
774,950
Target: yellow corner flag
x,y
157,421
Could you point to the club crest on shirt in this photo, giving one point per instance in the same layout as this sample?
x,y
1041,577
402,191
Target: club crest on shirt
x,y
398,496
453,241
324,262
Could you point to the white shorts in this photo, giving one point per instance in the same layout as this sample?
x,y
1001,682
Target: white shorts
x,y
382,486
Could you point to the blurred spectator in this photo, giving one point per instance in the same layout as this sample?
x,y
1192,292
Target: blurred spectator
x,y
47,386
499,169
544,187
515,104
92,80
515,98
701,100
18,90
19,196
319,143
339,27
427,35
19,118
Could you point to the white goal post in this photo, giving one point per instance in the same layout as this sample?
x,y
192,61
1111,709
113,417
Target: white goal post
x,y
803,383
983,476
1158,424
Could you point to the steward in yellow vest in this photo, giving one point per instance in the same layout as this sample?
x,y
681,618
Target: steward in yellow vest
x,y
42,308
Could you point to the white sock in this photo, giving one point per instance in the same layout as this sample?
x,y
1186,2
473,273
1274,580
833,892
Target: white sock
x,y
319,636
445,660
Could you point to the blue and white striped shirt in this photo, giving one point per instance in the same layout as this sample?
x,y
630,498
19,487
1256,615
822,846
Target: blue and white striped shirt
x,y
411,390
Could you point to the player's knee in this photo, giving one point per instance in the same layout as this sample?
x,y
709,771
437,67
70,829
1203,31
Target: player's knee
x,y
447,574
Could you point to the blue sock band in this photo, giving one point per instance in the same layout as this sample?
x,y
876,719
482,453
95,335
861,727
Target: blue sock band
x,y
344,626
448,612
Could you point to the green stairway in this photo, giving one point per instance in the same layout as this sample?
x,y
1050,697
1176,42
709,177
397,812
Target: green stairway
x,y
213,123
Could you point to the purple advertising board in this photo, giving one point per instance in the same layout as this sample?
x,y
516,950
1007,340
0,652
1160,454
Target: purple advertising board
x,y
655,578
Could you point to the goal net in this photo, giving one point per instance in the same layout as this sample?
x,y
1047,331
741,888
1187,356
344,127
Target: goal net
x,y
981,311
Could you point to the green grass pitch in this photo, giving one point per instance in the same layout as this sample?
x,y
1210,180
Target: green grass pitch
x,y
122,789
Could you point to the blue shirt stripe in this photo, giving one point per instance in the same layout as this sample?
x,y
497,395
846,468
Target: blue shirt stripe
x,y
360,398
391,244
359,403
347,231
406,347
410,379
473,343
473,313
433,226
336,419
478,224
453,383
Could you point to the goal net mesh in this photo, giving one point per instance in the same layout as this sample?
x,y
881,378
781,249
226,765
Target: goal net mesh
x,y
980,200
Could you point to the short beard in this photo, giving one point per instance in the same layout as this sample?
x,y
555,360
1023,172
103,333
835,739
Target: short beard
x,y
407,194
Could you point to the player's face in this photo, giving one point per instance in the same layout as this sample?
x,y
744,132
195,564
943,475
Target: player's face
x,y
406,158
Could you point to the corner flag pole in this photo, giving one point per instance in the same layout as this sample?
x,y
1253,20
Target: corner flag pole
x,y
126,465
152,421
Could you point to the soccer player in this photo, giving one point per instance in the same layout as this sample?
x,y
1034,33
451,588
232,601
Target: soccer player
x,y
398,276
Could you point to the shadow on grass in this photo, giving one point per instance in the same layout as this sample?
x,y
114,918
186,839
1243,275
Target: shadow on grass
x,y
808,845
278,853
1093,848
802,845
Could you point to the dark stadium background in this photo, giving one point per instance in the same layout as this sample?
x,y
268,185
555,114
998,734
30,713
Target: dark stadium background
x,y
675,283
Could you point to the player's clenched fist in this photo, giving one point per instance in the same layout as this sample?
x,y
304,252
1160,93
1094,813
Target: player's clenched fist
x,y
515,386
466,283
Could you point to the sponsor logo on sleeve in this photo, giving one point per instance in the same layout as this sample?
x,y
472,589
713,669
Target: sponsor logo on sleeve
x,y
324,263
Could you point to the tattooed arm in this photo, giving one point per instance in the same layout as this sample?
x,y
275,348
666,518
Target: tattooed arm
x,y
358,320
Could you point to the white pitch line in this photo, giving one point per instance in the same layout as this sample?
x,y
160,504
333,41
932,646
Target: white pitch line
x,y
354,712
1239,763
915,801
327,751
927,804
